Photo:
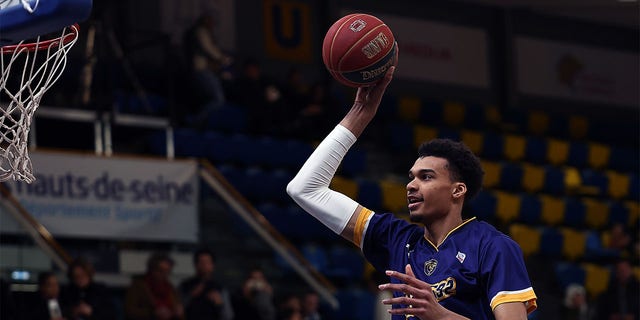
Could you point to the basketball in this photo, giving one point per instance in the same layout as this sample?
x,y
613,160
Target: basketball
x,y
358,49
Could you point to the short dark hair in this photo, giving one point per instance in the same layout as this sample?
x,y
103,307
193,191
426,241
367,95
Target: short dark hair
x,y
203,251
464,166
156,258
44,276
82,263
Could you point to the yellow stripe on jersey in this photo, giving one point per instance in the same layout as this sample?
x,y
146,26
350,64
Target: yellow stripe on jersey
x,y
361,223
527,296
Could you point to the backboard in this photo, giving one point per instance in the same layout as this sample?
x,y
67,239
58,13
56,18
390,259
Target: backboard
x,y
26,19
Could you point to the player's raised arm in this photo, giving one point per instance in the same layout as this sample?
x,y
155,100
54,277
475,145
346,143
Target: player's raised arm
x,y
310,187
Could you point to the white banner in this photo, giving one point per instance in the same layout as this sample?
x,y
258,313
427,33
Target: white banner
x,y
121,198
440,52
563,70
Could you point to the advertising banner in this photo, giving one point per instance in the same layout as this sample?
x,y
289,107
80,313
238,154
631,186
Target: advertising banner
x,y
562,70
119,198
440,52
287,30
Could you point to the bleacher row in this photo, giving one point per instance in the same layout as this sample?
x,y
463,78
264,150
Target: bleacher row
x,y
474,116
519,147
595,278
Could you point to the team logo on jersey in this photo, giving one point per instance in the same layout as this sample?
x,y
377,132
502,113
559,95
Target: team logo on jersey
x,y
430,266
460,256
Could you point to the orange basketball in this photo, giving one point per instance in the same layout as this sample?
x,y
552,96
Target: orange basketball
x,y
358,49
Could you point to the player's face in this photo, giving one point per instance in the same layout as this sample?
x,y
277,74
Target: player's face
x,y
429,191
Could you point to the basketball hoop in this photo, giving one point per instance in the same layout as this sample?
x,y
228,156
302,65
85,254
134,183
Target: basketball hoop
x,y
29,69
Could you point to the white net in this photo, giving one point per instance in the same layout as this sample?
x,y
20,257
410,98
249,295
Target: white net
x,y
28,71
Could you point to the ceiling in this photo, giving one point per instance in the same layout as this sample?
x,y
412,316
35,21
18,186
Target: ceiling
x,y
624,13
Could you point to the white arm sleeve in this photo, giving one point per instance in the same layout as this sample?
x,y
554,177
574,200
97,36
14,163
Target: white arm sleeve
x,y
310,187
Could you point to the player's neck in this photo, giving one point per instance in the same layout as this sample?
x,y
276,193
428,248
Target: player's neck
x,y
436,231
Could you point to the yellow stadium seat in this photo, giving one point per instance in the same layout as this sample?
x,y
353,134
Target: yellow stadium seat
x,y
491,173
409,108
507,207
619,184
572,179
423,133
596,279
578,127
557,151
532,177
538,122
553,210
473,139
528,238
636,273
634,212
394,196
492,115
514,147
598,156
346,186
597,212
453,114
574,244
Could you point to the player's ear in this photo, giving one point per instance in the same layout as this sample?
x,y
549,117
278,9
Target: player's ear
x,y
459,190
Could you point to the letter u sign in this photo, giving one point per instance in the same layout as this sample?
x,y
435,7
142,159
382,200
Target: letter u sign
x,y
288,30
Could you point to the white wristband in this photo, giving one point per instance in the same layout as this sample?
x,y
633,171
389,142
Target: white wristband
x,y
310,187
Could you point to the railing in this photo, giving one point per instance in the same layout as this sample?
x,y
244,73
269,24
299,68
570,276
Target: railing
x,y
269,234
40,235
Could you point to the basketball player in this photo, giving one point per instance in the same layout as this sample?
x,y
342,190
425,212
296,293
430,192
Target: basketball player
x,y
440,266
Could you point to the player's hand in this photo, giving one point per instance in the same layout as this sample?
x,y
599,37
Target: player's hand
x,y
418,296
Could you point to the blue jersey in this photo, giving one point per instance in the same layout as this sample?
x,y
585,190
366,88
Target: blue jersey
x,y
473,270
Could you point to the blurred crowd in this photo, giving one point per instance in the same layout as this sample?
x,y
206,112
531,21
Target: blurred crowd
x,y
153,296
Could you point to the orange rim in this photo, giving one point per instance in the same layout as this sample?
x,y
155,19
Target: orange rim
x,y
45,44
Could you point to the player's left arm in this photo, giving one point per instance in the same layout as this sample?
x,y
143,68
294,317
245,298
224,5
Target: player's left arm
x,y
506,280
510,311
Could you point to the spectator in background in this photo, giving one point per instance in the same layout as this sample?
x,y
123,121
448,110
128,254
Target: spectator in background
x,y
83,298
204,297
318,113
289,307
621,301
206,62
46,305
254,301
311,306
152,296
620,240
575,306
262,97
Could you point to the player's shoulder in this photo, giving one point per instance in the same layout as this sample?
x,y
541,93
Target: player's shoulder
x,y
488,234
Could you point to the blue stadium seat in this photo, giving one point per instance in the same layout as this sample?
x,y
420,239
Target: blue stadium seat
x,y
492,146
634,186
400,136
569,273
595,179
449,133
551,242
228,118
536,150
530,209
618,213
345,263
369,194
316,255
553,180
575,213
624,159
354,162
484,205
296,153
475,116
511,176
578,154
431,113
188,143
